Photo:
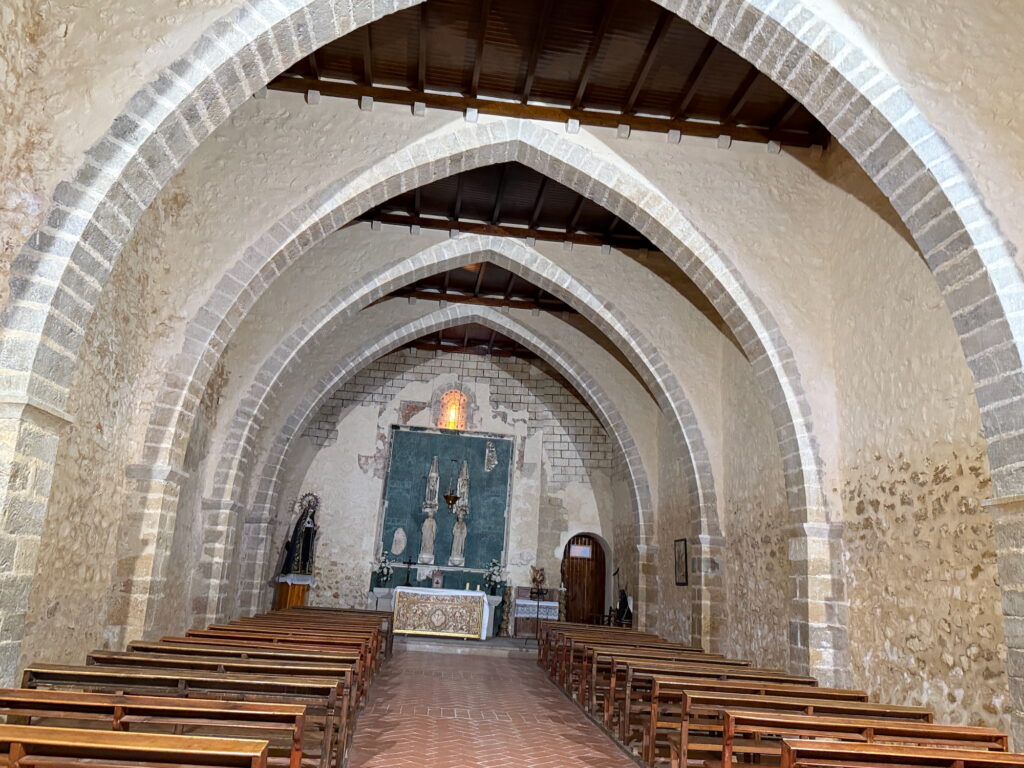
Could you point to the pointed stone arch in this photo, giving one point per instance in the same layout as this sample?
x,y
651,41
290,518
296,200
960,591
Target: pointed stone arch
x,y
257,537
231,478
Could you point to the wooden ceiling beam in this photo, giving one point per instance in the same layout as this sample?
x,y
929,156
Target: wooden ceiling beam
x,y
547,305
490,341
314,65
497,352
508,286
595,45
693,80
457,206
421,63
499,195
445,283
465,338
611,227
417,201
539,33
784,115
368,55
480,279
538,203
505,230
485,12
702,129
741,96
647,60
574,219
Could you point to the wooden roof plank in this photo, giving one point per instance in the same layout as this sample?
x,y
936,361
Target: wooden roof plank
x,y
538,204
421,64
499,194
480,279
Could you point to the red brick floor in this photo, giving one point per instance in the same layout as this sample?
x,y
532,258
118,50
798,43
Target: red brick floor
x,y
432,710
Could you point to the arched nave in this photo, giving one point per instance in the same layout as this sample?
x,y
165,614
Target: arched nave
x,y
800,352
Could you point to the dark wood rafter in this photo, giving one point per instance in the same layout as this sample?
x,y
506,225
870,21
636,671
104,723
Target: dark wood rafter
x,y
421,62
457,207
509,286
447,282
465,338
552,61
498,230
476,301
538,204
417,205
481,38
480,278
454,348
368,55
538,42
693,80
574,218
783,116
703,129
592,51
741,97
657,38
490,342
499,195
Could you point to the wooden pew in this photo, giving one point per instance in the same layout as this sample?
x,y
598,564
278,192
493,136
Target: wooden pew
x,y
843,754
699,725
638,676
27,746
759,735
156,714
322,696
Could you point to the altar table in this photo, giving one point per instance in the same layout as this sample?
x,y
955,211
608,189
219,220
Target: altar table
x,y
441,612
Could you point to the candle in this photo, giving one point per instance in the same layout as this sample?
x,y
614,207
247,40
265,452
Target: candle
x,y
467,585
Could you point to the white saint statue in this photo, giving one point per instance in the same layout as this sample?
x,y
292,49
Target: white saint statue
x,y
460,529
428,531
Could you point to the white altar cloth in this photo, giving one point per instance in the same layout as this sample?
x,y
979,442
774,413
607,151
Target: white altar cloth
x,y
441,612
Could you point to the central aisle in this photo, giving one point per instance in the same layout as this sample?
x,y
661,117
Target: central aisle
x,y
433,710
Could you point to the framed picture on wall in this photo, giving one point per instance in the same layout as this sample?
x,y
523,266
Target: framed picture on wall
x,y
682,563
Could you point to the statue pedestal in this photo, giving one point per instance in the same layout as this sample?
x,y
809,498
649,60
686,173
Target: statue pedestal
x,y
457,561
493,601
291,590
378,595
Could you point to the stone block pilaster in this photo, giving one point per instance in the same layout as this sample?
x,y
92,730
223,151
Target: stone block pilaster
x,y
707,581
144,548
1008,524
819,615
29,436
645,605
216,599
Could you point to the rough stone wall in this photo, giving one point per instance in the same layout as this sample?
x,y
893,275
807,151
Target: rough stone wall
x,y
755,522
560,482
676,520
926,622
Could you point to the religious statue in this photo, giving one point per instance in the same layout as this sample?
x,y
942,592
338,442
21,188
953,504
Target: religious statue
x,y
428,531
461,510
300,548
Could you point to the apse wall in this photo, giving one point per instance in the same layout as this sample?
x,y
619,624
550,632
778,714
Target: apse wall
x,y
561,481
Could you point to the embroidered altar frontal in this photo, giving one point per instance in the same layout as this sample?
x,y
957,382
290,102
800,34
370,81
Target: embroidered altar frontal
x,y
440,612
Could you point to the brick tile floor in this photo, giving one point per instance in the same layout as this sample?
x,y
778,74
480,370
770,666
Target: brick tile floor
x,y
431,710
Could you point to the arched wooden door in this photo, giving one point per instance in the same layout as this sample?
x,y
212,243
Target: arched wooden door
x,y
583,577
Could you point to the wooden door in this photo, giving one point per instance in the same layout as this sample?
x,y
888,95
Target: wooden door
x,y
583,577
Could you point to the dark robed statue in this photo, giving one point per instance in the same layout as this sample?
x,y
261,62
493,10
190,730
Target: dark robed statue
x,y
300,548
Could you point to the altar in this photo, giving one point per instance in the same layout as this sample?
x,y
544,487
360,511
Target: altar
x,y
442,612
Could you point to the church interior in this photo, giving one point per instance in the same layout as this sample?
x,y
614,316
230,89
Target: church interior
x,y
456,383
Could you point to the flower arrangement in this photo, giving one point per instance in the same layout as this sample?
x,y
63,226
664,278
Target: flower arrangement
x,y
383,569
494,575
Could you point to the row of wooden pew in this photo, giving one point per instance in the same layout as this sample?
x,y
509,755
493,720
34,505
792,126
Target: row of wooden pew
x,y
279,689
668,702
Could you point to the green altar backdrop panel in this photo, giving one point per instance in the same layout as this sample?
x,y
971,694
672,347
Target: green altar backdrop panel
x,y
412,451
